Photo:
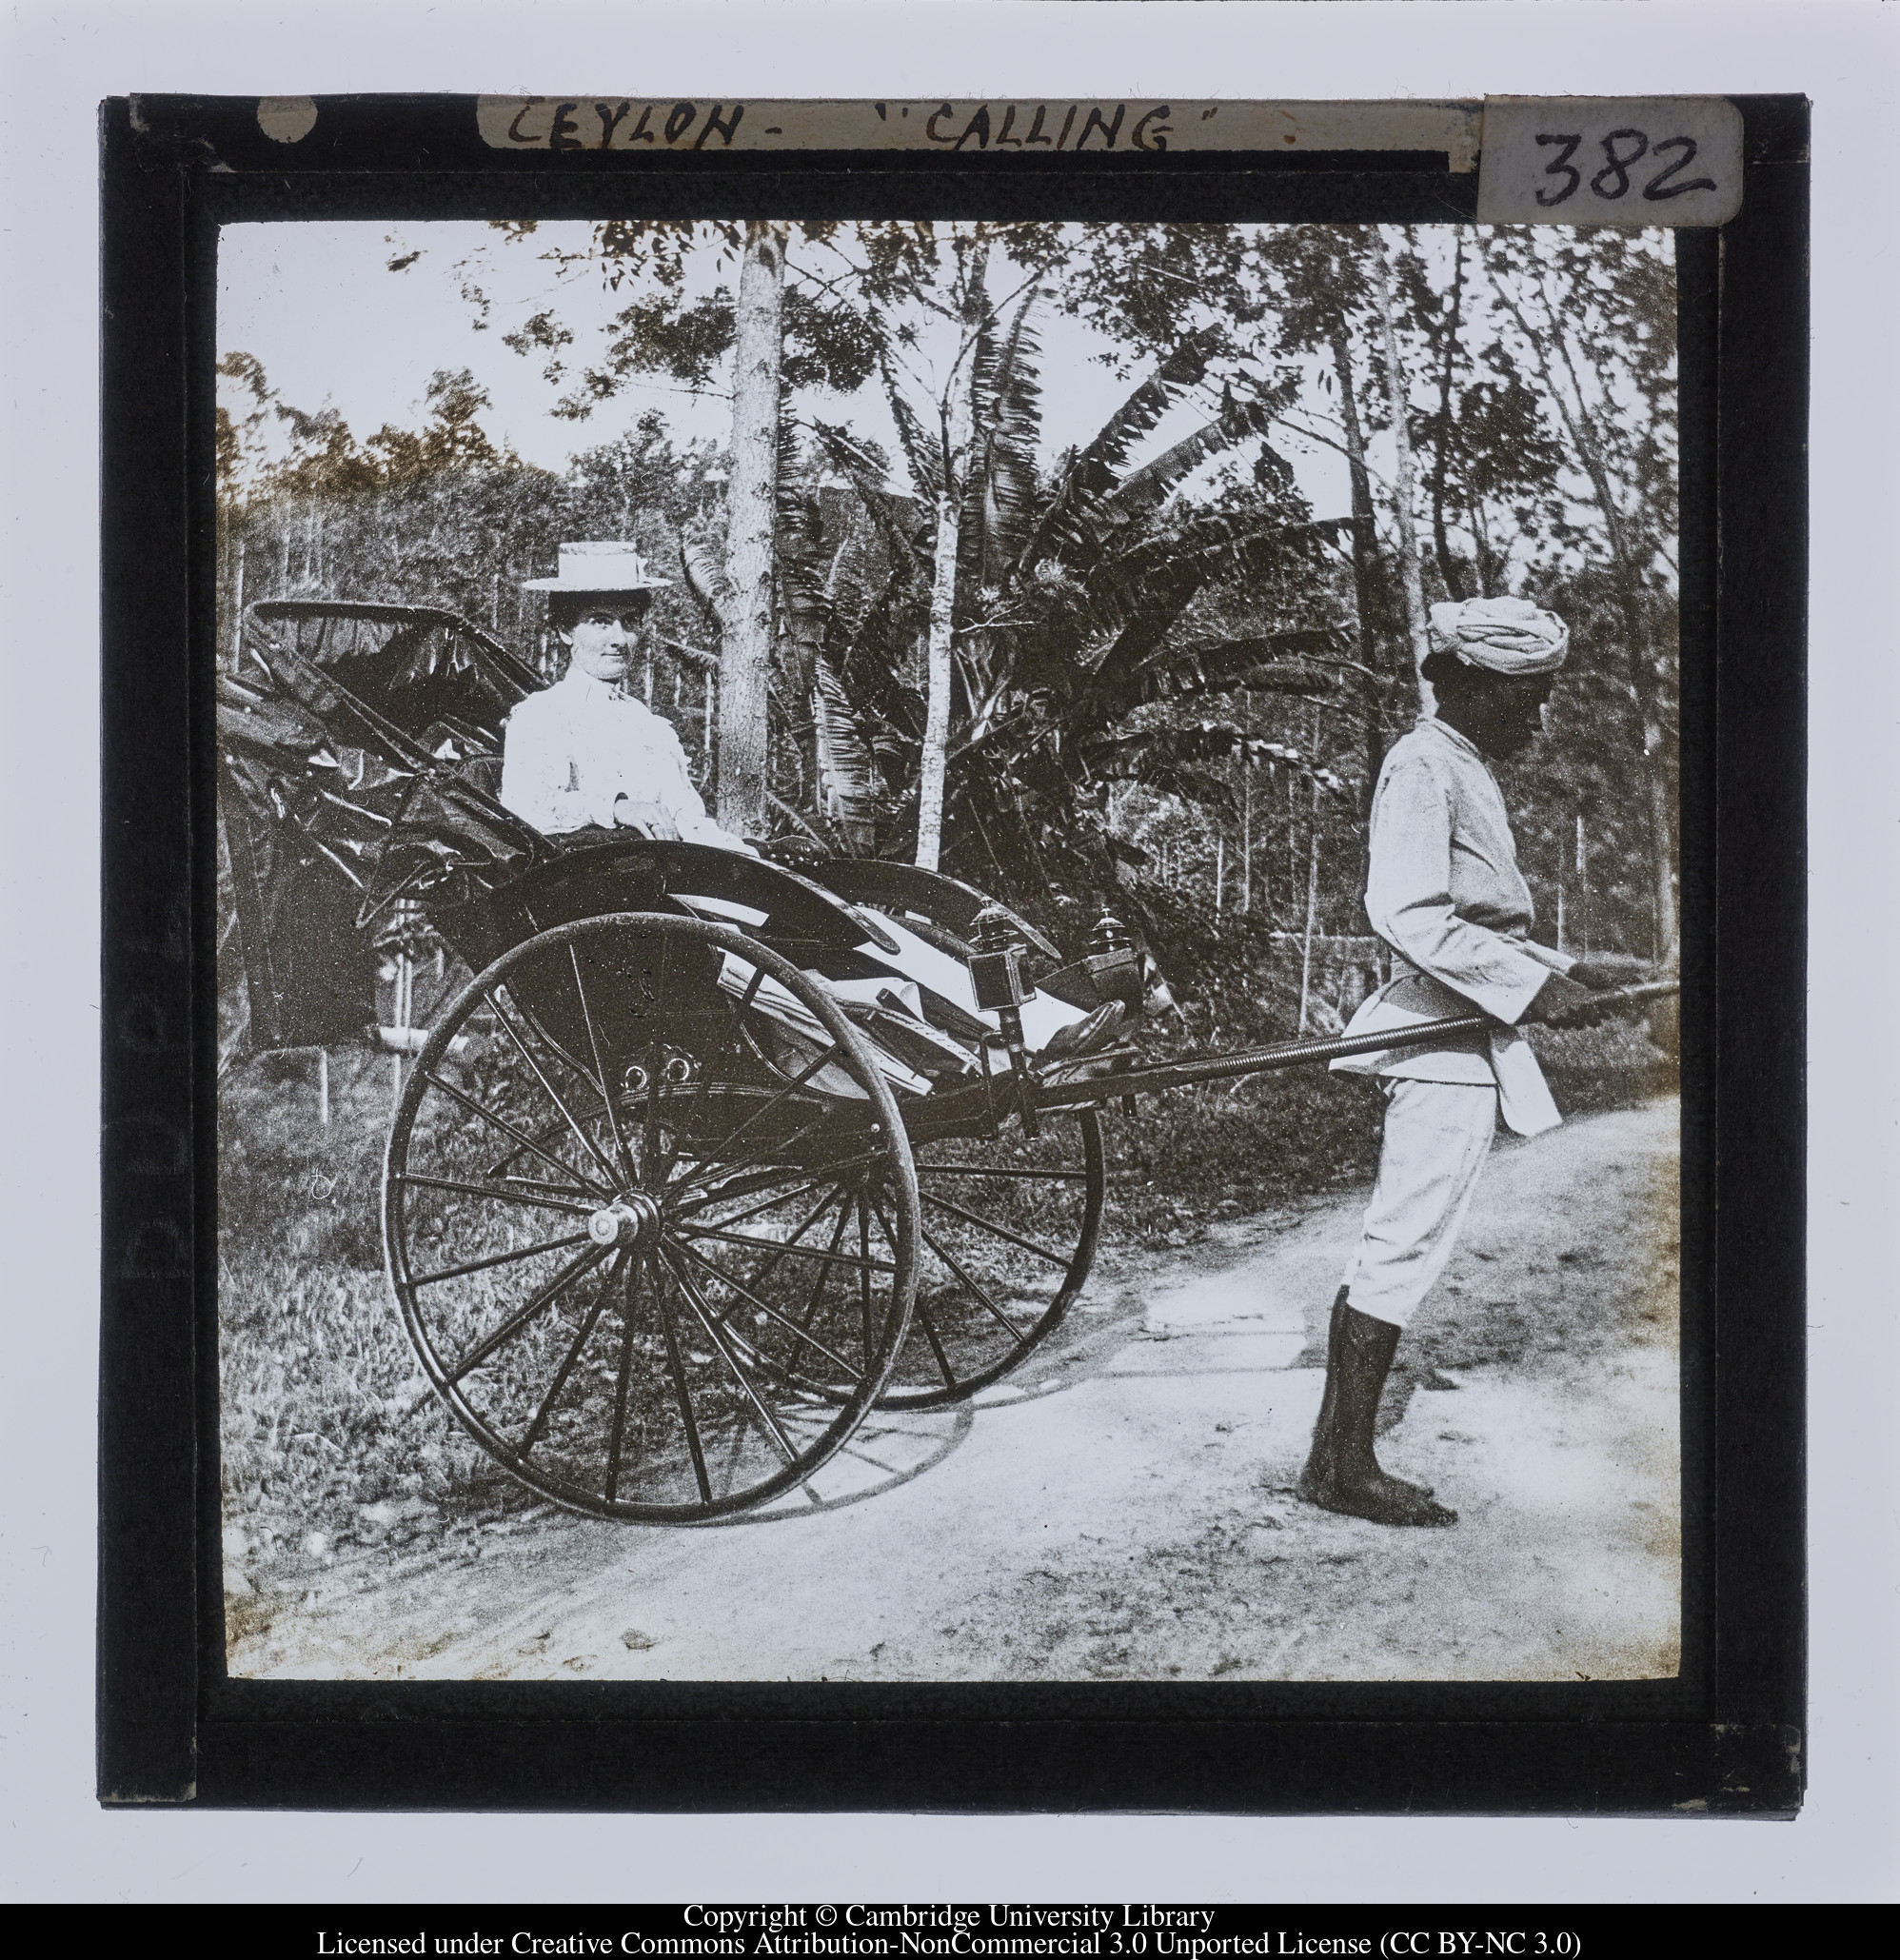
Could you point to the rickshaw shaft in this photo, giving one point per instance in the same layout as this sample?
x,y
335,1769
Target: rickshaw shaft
x,y
1220,1068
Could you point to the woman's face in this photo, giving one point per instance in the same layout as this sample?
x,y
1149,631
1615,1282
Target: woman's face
x,y
601,637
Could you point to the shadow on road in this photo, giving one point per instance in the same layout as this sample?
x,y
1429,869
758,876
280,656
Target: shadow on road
x,y
870,1450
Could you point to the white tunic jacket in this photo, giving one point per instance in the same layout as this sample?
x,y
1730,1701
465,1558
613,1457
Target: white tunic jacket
x,y
573,749
1445,893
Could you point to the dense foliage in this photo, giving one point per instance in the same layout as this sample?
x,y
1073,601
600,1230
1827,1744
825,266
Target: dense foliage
x,y
1169,682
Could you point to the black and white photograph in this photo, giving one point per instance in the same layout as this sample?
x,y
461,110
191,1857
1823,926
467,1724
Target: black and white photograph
x,y
946,951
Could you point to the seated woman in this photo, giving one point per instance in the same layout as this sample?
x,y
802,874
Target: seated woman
x,y
585,752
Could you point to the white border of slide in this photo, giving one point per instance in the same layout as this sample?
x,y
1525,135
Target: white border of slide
x,y
59,60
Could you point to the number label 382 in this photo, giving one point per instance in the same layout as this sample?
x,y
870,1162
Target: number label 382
x,y
1603,160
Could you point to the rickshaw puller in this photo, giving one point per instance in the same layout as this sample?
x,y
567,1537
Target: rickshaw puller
x,y
1445,893
585,752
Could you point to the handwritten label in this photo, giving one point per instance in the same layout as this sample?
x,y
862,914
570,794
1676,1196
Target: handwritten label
x,y
1610,160
583,121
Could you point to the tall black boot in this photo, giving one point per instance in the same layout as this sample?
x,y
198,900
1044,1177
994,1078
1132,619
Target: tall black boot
x,y
1319,1461
1341,1473
1318,1471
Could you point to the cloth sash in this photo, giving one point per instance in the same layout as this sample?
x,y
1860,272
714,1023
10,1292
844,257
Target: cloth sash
x,y
1501,1056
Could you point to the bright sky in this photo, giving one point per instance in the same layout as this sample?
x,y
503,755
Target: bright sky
x,y
316,304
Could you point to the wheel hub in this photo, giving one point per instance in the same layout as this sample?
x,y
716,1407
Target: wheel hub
x,y
625,1222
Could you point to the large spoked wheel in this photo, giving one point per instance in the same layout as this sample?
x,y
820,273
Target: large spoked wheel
x,y
1008,1229
1009,1223
1008,1232
608,1223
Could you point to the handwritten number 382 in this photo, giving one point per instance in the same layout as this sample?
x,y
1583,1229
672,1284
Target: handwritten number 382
x,y
1621,149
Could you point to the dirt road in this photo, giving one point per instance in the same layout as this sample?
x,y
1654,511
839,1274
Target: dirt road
x,y
1123,1509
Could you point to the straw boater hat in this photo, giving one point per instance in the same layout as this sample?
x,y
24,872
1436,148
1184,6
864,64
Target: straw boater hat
x,y
602,566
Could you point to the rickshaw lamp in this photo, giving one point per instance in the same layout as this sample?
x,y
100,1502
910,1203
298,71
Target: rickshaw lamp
x,y
995,966
1114,964
1109,943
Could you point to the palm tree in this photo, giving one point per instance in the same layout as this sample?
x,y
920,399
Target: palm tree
x,y
1075,611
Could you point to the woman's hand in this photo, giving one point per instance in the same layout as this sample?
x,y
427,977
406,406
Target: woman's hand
x,y
647,817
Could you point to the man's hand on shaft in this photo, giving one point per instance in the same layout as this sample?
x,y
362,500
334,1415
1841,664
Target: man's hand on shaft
x,y
1609,970
1561,998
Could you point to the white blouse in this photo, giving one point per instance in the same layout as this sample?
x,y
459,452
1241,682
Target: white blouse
x,y
572,751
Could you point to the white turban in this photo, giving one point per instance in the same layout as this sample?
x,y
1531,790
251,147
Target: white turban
x,y
1508,636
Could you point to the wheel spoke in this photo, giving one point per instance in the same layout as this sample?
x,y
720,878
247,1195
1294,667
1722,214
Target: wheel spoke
x,y
746,1293
615,1273
864,1203
823,1278
756,1278
554,1095
527,1185
523,1315
1001,1171
716,1334
785,1249
950,1380
678,1374
657,1177
600,1079
814,1175
622,1376
975,1285
656,1056
499,1168
499,1192
520,1136
499,1258
711,1165
1041,1252
942,1359
765,1205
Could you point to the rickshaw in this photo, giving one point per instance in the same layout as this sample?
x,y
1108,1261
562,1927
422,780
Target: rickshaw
x,y
710,1155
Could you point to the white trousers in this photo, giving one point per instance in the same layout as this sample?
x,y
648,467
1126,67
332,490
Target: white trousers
x,y
1437,1136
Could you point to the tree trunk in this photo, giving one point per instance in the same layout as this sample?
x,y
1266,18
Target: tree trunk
x,y
237,601
1312,910
1365,543
1247,837
1582,887
936,685
959,425
1406,500
745,641
1365,560
1662,824
1457,578
1490,566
